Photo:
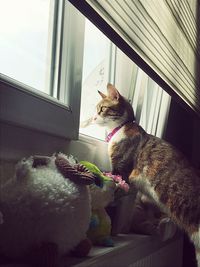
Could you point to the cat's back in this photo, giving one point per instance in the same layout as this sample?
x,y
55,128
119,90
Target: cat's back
x,y
150,149
158,158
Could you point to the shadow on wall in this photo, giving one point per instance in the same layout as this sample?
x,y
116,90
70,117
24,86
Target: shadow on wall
x,y
183,131
179,131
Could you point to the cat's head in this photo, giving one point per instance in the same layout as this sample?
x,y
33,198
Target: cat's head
x,y
113,109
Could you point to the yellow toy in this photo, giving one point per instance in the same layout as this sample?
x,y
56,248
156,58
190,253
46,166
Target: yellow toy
x,y
100,226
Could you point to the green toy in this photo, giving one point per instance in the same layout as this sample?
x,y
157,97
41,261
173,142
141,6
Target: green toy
x,y
100,226
101,178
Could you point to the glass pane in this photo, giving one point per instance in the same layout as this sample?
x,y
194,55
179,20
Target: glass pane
x,y
25,35
144,94
95,75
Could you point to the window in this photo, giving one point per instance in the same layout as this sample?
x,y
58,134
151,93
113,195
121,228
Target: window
x,y
41,65
106,63
96,63
49,55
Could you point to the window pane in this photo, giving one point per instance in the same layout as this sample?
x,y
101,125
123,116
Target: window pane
x,y
25,35
149,101
95,75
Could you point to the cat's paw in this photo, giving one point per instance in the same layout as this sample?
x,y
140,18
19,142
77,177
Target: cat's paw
x,y
166,229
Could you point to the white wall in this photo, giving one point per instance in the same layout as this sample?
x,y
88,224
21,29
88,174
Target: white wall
x,y
17,142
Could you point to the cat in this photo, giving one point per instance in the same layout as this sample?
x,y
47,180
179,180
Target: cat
x,y
152,165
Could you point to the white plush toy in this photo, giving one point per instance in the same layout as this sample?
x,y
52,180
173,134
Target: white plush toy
x,y
46,210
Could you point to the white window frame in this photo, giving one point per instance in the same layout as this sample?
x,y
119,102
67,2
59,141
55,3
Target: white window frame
x,y
22,105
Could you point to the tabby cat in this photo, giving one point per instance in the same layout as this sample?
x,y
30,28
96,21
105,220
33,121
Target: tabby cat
x,y
151,164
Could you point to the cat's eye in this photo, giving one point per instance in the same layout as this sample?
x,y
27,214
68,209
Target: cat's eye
x,y
102,109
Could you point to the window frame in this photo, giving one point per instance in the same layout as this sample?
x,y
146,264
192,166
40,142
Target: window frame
x,y
26,107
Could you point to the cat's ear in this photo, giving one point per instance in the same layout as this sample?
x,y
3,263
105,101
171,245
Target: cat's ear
x,y
101,94
113,92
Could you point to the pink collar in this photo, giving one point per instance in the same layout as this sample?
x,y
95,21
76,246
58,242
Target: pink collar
x,y
110,135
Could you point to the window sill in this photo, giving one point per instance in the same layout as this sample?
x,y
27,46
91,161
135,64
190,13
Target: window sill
x,y
90,140
133,251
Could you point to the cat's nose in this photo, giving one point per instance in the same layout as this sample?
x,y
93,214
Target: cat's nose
x,y
94,117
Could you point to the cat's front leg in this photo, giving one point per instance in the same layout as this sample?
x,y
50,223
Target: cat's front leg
x,y
138,181
134,175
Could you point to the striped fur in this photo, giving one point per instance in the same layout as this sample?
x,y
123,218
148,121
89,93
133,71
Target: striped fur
x,y
153,165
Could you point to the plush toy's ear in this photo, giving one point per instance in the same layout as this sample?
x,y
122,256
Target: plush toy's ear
x,y
23,168
101,94
40,161
113,92
76,173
